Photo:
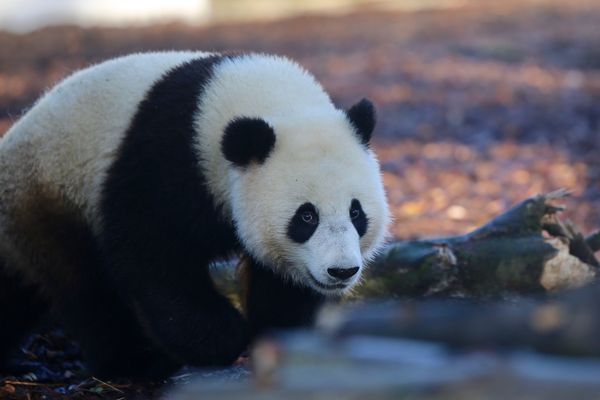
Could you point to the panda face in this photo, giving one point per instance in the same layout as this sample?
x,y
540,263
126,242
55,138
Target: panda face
x,y
334,239
313,208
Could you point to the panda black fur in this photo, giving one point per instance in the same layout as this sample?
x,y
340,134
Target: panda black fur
x,y
124,182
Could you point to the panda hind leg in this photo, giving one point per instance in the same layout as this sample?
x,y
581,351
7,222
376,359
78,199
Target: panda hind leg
x,y
21,307
65,258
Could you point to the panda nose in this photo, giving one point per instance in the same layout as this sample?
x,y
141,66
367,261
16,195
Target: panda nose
x,y
342,273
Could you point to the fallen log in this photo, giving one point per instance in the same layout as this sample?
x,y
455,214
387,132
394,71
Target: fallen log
x,y
526,250
567,323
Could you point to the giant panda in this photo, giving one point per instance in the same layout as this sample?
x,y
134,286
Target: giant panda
x,y
123,183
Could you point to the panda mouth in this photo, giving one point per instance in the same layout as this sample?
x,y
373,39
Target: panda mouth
x,y
325,286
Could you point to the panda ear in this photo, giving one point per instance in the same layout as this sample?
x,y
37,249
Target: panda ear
x,y
362,116
247,139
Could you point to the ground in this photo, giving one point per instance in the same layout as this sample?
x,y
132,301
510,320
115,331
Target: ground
x,y
479,107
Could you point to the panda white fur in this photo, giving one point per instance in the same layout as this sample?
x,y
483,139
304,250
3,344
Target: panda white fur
x,y
122,184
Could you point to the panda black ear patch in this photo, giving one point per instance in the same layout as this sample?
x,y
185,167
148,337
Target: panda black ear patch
x,y
247,139
362,116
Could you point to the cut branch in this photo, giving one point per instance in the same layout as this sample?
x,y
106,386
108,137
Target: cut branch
x,y
528,249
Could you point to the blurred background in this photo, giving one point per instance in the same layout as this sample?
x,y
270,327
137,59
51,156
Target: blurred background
x,y
481,103
27,15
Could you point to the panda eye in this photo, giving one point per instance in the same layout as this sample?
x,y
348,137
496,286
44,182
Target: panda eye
x,y
304,223
309,217
358,217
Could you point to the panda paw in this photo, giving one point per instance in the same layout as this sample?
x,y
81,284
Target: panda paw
x,y
230,338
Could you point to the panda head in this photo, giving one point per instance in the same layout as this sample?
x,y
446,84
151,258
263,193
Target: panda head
x,y
306,194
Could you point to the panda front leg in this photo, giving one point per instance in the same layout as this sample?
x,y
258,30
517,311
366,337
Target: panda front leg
x,y
273,302
175,300
191,320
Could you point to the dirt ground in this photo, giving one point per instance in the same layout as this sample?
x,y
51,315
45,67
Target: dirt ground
x,y
479,106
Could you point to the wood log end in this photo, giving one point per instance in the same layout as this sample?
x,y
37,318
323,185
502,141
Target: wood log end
x,y
564,270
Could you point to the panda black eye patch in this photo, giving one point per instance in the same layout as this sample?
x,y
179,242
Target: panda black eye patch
x,y
304,223
358,217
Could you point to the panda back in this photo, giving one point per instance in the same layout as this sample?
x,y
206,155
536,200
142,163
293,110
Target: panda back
x,y
68,140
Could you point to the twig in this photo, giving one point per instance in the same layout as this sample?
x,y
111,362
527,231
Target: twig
x,y
557,194
107,385
23,383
